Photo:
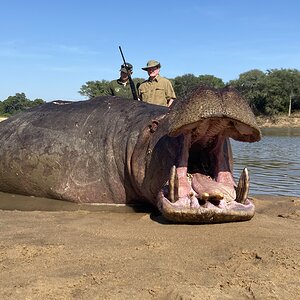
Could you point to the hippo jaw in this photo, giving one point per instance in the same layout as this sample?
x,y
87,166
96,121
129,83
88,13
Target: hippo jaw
x,y
201,188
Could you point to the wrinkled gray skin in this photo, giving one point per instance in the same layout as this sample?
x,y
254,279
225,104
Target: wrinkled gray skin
x,y
112,150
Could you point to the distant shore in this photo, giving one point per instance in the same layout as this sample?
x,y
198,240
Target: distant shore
x,y
279,121
274,121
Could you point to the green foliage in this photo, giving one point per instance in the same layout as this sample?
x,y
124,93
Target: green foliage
x,y
280,86
94,88
269,93
251,85
36,102
184,84
211,81
17,103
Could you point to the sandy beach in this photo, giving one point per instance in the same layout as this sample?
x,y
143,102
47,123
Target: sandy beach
x,y
66,251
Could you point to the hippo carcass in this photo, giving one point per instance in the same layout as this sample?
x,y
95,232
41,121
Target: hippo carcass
x,y
113,150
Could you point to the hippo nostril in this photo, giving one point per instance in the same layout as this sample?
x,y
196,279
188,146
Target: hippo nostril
x,y
213,198
201,201
215,202
204,202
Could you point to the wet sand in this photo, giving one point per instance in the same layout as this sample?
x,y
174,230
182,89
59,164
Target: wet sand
x,y
58,250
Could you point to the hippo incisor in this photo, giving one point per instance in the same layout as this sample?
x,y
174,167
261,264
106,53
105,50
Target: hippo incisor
x,y
113,150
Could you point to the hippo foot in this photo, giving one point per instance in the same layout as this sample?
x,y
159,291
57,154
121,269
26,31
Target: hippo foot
x,y
200,199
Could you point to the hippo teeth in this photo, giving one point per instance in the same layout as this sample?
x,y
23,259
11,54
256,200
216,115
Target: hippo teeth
x,y
173,185
242,189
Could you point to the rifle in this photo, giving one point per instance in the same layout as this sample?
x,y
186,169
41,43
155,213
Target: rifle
x,y
132,86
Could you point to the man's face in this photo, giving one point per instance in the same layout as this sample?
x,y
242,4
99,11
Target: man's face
x,y
153,71
124,76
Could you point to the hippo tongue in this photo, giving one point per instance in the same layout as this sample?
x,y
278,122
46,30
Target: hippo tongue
x,y
206,188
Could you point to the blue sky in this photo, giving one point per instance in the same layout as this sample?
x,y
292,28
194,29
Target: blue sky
x,y
49,49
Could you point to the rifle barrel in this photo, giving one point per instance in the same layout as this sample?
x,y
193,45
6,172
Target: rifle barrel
x,y
132,86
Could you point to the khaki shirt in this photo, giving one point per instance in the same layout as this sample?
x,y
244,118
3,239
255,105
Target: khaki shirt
x,y
158,91
118,88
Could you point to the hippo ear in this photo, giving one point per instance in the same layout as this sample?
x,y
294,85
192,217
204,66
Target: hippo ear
x,y
153,126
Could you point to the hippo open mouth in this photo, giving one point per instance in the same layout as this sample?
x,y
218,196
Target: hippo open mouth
x,y
201,187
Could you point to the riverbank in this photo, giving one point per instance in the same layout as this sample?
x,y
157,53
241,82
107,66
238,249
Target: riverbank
x,y
279,121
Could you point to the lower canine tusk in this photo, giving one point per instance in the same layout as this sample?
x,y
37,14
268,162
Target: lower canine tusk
x,y
242,189
172,184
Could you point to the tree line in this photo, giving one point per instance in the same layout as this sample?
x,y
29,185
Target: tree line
x,y
17,103
268,93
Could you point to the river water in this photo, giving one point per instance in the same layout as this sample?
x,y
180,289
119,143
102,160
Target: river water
x,y
273,163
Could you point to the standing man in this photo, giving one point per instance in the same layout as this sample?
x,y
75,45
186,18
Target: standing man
x,y
156,89
121,86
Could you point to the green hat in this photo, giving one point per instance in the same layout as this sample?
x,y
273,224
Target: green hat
x,y
151,64
126,67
